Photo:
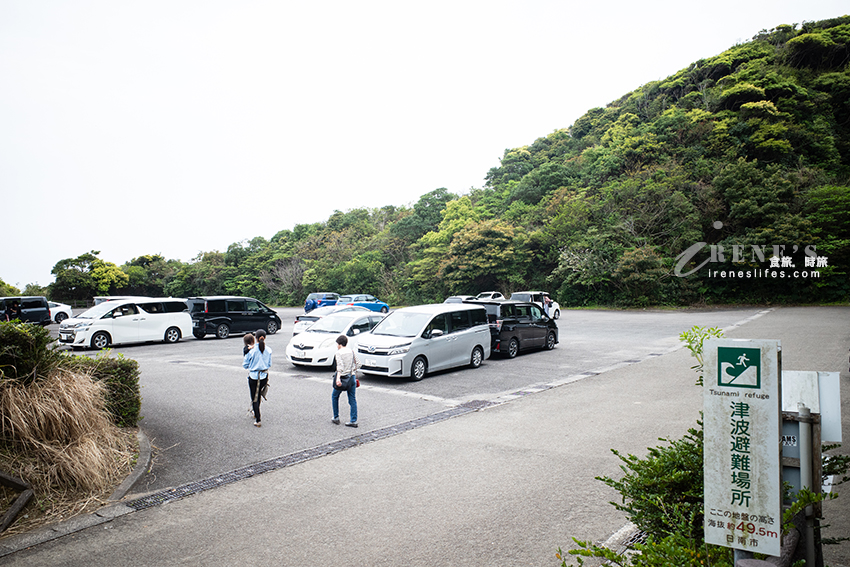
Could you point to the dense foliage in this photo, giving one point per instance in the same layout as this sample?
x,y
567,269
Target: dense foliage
x,y
658,198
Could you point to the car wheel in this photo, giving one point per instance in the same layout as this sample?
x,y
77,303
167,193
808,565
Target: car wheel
x,y
550,341
557,314
172,335
513,348
222,331
61,317
198,334
271,328
419,369
100,340
384,309
477,357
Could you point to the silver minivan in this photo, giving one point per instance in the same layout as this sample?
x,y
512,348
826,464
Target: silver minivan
x,y
413,341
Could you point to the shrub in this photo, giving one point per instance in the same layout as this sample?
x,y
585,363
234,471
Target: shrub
x,y
664,487
120,377
27,352
57,433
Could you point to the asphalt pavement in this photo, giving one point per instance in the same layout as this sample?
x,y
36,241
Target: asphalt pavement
x,y
504,482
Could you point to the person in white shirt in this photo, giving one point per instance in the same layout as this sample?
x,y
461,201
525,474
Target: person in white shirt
x,y
345,380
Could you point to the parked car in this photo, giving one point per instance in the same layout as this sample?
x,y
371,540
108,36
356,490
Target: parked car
x,y
128,321
414,341
458,298
363,300
59,311
518,325
221,315
317,345
322,299
304,322
33,309
98,299
540,298
489,295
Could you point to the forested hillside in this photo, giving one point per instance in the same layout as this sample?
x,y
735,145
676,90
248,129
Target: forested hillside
x,y
747,152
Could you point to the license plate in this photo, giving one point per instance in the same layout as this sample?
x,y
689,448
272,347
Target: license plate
x,y
371,362
299,353
66,338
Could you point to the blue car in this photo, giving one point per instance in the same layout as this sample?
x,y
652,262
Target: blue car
x,y
363,300
320,299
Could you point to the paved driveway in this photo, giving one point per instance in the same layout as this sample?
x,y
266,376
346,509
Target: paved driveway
x,y
195,396
504,485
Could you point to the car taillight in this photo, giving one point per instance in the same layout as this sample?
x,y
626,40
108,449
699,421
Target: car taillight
x,y
206,307
498,324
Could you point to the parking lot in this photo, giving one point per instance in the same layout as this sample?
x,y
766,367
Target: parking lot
x,y
503,483
195,396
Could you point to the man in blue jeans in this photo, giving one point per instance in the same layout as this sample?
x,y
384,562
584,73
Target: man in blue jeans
x,y
346,370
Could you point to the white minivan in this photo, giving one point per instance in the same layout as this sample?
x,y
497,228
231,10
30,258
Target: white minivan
x,y
135,320
414,341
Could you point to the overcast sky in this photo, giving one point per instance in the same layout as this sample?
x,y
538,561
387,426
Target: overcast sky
x,y
178,127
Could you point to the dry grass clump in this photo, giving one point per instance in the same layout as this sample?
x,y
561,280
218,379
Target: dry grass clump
x,y
56,435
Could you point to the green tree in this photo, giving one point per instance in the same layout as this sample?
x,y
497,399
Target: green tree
x,y
6,289
484,255
73,277
425,217
107,277
148,275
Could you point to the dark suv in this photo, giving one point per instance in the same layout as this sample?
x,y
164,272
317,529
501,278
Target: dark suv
x,y
518,325
34,309
222,315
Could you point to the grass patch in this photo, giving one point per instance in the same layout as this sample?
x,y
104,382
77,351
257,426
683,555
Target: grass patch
x,y
57,435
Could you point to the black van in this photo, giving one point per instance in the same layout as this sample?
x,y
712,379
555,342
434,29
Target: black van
x,y
518,325
34,309
221,315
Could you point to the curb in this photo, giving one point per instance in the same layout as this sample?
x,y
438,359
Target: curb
x,y
105,514
142,465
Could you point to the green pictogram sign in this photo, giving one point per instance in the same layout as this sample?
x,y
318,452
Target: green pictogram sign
x,y
739,367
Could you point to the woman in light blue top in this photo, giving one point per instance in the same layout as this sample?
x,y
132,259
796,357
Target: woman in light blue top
x,y
258,361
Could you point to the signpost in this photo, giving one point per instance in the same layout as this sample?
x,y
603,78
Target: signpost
x,y
742,429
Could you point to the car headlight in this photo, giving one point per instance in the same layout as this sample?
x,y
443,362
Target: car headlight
x,y
327,342
83,325
399,349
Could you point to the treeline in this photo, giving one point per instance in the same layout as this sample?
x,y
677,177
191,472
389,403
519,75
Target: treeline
x,y
737,166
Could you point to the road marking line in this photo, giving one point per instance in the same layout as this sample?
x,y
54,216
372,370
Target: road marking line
x,y
448,402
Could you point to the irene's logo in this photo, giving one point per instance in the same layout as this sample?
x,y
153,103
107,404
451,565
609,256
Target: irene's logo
x,y
778,260
739,367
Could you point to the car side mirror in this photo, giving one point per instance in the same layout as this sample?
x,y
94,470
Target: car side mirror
x,y
435,333
355,331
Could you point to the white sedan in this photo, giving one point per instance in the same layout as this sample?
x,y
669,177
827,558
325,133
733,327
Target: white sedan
x,y
59,311
317,345
304,322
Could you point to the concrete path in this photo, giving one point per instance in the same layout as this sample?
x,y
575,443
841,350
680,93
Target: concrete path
x,y
505,484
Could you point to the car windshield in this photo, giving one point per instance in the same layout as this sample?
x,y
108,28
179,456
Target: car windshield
x,y
97,311
322,311
336,324
345,299
401,324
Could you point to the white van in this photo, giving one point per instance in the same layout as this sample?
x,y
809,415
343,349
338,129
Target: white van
x,y
416,340
128,321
